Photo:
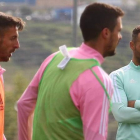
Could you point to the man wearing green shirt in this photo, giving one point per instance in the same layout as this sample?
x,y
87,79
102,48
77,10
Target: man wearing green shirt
x,y
126,97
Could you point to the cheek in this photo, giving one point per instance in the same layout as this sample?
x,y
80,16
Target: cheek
x,y
138,50
116,37
137,47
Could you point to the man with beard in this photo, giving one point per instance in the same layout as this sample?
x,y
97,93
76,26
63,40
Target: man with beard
x,y
126,97
9,27
70,93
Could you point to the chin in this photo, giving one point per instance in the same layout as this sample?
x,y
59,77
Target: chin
x,y
5,60
110,53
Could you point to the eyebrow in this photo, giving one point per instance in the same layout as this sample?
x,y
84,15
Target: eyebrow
x,y
14,36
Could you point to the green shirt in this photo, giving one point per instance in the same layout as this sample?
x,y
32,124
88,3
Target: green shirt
x,y
126,82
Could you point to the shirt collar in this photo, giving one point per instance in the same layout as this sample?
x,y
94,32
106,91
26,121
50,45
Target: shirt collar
x,y
2,70
134,66
92,53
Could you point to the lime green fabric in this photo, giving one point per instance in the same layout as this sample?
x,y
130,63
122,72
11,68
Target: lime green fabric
x,y
56,117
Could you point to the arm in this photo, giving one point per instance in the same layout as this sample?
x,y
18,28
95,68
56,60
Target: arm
x,y
131,104
120,107
27,102
90,99
134,104
26,105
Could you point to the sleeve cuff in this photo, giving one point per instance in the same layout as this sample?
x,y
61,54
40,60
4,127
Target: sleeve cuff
x,y
137,104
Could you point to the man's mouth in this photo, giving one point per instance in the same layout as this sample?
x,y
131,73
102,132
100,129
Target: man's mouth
x,y
10,55
12,52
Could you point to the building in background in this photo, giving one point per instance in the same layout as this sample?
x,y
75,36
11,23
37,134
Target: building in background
x,y
54,3
30,2
130,4
62,14
113,2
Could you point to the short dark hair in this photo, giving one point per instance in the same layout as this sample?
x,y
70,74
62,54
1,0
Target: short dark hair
x,y
7,21
135,33
96,17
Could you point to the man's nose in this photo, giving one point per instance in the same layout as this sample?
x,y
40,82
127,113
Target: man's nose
x,y
17,45
120,36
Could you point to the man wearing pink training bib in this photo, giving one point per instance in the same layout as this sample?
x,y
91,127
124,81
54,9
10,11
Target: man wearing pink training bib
x,y
69,95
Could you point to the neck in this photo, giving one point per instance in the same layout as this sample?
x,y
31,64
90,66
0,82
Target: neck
x,y
136,62
95,45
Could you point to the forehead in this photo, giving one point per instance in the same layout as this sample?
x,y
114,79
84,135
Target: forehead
x,y
119,22
10,31
138,37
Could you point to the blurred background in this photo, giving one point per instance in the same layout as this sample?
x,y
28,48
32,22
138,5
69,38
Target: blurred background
x,y
50,24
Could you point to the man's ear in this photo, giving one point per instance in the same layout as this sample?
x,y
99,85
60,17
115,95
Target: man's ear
x,y
106,33
132,45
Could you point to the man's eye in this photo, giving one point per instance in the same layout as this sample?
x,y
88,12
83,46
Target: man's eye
x,y
13,38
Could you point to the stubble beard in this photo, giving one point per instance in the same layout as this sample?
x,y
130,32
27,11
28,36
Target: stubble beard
x,y
108,51
110,45
137,55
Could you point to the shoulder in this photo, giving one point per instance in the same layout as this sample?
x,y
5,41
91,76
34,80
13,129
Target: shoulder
x,y
90,77
120,72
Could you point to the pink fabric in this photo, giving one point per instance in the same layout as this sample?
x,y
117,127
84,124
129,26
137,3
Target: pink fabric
x,y
4,137
2,70
86,93
1,75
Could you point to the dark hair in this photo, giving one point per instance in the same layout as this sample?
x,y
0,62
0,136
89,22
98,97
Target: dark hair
x,y
96,17
135,33
7,21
